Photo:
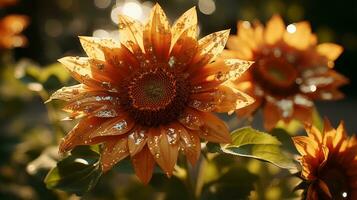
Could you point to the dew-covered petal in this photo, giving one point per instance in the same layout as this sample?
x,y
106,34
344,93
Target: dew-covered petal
x,y
191,145
143,164
69,93
300,38
163,143
113,151
93,46
121,59
330,50
184,50
214,129
131,33
211,46
188,20
157,35
221,70
116,126
80,134
191,119
274,30
137,139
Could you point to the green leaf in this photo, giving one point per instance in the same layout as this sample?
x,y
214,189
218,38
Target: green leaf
x,y
236,183
248,142
77,173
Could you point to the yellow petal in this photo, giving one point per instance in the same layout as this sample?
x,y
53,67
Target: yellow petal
x,y
330,50
157,35
143,164
306,145
213,44
93,46
131,33
137,140
299,39
113,152
69,93
242,49
274,30
186,21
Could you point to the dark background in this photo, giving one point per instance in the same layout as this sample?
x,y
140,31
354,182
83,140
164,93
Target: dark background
x,y
55,25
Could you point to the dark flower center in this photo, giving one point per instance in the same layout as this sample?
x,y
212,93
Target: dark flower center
x,y
155,96
276,76
336,181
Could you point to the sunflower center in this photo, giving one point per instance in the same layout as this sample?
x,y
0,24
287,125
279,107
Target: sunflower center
x,y
336,180
155,96
276,76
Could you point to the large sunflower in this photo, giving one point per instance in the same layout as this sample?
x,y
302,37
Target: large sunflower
x,y
11,27
329,162
153,94
290,71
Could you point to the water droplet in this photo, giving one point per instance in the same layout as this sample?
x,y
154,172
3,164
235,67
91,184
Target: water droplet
x,y
120,125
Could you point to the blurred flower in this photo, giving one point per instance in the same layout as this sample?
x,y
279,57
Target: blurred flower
x,y
153,94
10,28
290,71
329,162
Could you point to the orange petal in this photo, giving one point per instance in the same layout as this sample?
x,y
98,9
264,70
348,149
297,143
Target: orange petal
x,y
300,38
93,46
247,33
121,59
242,49
131,33
115,126
80,134
191,145
137,140
143,164
188,20
314,133
250,109
271,115
303,113
157,34
306,145
163,144
274,30
330,50
191,119
113,152
214,129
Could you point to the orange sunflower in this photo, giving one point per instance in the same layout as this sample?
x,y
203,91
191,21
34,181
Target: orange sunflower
x,y
11,27
153,94
329,162
290,71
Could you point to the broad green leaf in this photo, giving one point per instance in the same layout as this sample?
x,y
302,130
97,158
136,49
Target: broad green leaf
x,y
77,173
285,138
255,144
236,183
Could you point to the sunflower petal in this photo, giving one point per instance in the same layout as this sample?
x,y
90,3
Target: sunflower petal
x,y
157,34
131,33
330,50
80,134
116,126
214,129
137,140
274,30
191,119
113,152
186,21
68,93
143,164
93,46
163,144
191,145
300,38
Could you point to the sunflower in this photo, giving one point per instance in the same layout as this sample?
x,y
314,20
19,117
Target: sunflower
x,y
329,162
10,28
152,94
290,71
